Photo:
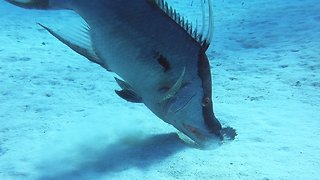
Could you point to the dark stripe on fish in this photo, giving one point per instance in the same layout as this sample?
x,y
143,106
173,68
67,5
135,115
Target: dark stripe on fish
x,y
207,110
163,61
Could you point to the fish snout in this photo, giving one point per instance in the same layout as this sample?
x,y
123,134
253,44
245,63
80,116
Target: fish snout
x,y
185,112
198,136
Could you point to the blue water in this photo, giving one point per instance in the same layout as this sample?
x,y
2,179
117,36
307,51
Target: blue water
x,y
60,118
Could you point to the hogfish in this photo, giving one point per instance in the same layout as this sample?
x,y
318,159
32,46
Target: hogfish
x,y
159,56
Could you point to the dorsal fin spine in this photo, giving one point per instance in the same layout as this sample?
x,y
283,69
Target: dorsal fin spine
x,y
195,32
171,11
200,38
190,31
166,8
182,22
187,25
162,4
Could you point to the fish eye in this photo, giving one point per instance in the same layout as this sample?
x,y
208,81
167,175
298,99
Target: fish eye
x,y
206,101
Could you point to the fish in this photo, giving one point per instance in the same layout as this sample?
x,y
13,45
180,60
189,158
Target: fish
x,y
158,55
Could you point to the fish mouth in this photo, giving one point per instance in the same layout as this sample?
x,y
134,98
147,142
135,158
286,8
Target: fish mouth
x,y
197,136
194,133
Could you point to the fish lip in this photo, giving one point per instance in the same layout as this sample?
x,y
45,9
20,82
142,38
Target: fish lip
x,y
197,136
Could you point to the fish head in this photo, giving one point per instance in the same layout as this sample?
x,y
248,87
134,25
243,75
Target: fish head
x,y
190,109
191,114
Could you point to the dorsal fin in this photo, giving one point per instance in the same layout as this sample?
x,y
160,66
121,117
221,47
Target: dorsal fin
x,y
204,36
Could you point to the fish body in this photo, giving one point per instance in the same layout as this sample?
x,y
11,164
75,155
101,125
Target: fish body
x,y
160,59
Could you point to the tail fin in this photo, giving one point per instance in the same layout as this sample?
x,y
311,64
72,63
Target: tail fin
x,y
41,4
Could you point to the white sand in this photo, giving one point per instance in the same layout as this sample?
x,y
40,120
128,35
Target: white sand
x,y
60,119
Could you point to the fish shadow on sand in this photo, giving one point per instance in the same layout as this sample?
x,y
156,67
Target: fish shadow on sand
x,y
117,157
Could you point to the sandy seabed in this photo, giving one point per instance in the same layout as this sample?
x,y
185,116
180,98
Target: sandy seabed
x,y
60,117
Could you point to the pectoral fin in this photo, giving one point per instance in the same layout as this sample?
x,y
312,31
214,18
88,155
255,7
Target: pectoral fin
x,y
127,93
129,96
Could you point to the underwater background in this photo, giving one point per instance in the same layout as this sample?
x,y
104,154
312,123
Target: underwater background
x,y
60,117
